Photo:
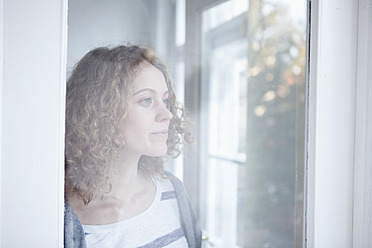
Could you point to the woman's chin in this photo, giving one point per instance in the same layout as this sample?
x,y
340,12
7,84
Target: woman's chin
x,y
158,152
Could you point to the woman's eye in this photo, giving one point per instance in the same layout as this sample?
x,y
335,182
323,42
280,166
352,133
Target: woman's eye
x,y
146,101
167,103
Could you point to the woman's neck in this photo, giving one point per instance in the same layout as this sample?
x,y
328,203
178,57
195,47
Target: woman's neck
x,y
126,180
132,192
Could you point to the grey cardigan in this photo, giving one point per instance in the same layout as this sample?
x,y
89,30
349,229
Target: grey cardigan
x,y
74,236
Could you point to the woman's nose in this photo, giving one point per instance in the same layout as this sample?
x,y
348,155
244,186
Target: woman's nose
x,y
164,114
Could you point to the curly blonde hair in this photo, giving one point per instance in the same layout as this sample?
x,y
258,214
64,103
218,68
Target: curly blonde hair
x,y
96,105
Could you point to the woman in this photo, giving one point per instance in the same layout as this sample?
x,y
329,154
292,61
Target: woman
x,y
122,118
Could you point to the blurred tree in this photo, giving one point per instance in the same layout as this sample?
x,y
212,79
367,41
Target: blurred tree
x,y
275,128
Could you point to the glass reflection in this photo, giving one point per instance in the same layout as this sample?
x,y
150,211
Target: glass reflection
x,y
253,104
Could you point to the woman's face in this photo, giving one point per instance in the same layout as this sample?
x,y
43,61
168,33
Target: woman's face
x,y
147,122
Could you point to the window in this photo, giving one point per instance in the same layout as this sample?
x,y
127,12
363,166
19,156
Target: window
x,y
240,67
38,145
252,123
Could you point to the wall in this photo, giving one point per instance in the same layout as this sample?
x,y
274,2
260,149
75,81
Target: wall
x,y
33,75
95,23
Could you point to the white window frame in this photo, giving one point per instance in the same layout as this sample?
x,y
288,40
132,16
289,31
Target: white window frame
x,y
362,221
339,123
33,45
338,110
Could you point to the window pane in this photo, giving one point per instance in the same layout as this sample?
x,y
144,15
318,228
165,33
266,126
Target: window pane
x,y
227,99
253,123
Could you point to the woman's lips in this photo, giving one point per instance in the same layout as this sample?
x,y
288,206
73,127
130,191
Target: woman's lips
x,y
162,133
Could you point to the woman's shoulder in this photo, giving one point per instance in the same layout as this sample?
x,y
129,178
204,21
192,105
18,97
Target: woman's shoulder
x,y
188,218
176,182
73,230
172,177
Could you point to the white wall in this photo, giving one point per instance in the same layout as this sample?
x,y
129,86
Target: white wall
x,y
33,66
94,23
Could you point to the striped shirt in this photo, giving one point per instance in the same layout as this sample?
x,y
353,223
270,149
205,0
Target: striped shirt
x,y
158,226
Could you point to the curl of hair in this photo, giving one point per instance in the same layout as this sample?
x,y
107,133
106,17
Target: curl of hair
x,y
96,105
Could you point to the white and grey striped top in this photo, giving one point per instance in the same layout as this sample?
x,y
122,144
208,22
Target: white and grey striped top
x,y
158,226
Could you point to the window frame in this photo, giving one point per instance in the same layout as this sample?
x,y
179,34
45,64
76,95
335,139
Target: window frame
x,y
362,221
351,158
330,214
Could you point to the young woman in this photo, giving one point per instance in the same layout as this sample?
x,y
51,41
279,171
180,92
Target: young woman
x,y
122,119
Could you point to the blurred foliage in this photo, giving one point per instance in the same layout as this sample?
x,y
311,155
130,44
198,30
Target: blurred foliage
x,y
275,125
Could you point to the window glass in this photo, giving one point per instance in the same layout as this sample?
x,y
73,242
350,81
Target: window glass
x,y
250,128
253,123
